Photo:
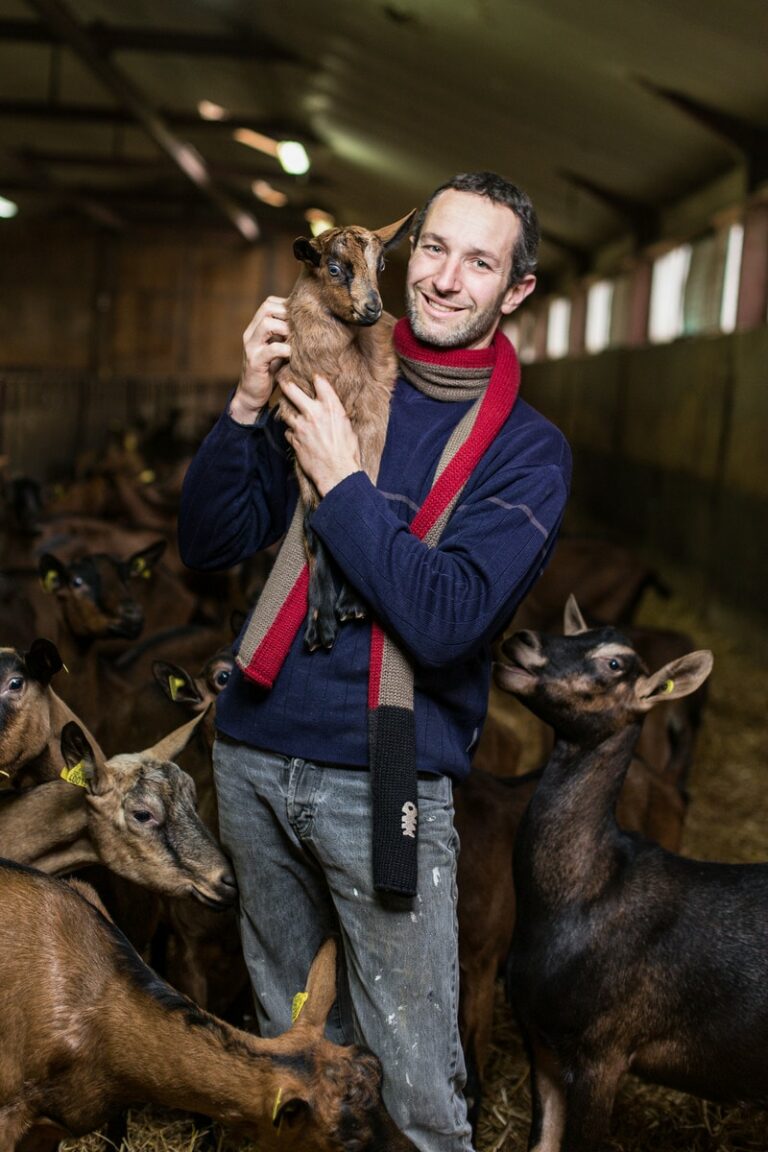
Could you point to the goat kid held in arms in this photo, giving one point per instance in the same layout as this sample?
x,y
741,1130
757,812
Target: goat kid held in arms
x,y
333,766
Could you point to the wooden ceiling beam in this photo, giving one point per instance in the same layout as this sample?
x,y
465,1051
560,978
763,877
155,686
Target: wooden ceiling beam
x,y
749,140
187,159
642,218
179,42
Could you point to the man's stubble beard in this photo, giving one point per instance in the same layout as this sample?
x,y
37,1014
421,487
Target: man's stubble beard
x,y
471,329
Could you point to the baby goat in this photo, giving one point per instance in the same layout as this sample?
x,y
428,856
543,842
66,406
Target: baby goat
x,y
339,330
89,1030
624,956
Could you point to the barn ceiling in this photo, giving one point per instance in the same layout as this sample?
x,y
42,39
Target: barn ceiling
x,y
608,113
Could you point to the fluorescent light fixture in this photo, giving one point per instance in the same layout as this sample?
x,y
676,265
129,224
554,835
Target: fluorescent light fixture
x,y
291,154
318,220
293,157
264,191
8,209
210,111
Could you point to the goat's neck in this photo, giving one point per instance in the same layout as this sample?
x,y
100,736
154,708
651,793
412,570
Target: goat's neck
x,y
47,827
569,833
183,1058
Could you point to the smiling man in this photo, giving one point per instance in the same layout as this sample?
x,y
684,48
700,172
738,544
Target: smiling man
x,y
335,785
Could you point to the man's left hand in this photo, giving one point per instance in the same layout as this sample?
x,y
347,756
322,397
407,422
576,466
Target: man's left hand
x,y
321,435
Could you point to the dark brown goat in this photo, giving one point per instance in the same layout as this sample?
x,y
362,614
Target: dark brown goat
x,y
339,330
624,957
88,1030
488,814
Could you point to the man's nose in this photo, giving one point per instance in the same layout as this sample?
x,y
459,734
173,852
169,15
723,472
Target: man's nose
x,y
446,277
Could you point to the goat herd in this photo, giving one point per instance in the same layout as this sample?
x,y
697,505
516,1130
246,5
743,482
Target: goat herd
x,y
618,954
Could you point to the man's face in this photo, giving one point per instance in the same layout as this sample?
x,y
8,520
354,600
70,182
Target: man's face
x,y
458,274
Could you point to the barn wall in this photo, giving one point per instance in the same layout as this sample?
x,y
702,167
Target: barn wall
x,y
669,450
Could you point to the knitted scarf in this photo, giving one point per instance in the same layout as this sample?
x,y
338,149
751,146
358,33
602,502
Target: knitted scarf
x,y
491,377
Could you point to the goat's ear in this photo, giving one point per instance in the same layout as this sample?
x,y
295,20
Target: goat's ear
x,y
289,1110
306,251
311,1010
176,682
143,562
573,621
175,742
80,764
43,661
391,234
678,678
54,574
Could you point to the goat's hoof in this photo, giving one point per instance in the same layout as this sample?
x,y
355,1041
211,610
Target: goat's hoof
x,y
348,607
320,633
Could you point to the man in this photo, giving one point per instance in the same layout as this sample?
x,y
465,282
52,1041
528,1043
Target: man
x,y
299,807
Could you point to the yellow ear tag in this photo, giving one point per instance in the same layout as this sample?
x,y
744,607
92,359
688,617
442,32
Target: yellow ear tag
x,y
669,685
299,1001
174,683
139,567
147,476
49,581
276,1108
75,775
4,773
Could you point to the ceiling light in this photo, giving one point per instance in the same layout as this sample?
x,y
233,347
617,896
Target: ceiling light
x,y
269,195
8,209
318,220
210,111
293,157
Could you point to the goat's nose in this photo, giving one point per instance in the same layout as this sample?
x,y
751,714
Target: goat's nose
x,y
522,639
373,307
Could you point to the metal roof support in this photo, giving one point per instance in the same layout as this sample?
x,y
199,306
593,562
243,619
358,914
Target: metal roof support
x,y
186,158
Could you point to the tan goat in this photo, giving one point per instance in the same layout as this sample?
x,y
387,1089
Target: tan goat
x,y
88,1030
134,813
340,331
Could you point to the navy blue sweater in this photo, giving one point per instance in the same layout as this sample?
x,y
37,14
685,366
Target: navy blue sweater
x,y
443,605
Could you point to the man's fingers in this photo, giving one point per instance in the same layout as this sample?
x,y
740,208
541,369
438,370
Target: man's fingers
x,y
301,402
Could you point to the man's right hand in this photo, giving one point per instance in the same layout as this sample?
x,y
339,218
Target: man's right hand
x,y
265,348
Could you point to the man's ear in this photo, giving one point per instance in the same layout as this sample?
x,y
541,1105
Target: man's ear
x,y
516,293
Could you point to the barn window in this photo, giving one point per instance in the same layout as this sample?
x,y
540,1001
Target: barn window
x,y
598,327
558,325
670,273
731,276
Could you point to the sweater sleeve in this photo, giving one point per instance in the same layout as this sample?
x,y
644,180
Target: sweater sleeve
x,y
238,494
443,603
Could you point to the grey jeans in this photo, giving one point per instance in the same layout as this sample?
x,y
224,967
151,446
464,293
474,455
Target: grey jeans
x,y
299,836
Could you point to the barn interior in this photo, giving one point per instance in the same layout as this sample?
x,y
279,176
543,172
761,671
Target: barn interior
x,y
157,161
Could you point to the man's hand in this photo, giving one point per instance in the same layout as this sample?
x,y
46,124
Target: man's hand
x,y
265,348
320,434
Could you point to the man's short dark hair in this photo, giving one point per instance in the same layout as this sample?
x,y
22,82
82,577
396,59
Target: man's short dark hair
x,y
499,191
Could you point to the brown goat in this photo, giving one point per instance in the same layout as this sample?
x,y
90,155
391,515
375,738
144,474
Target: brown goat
x,y
339,330
32,716
134,813
88,1030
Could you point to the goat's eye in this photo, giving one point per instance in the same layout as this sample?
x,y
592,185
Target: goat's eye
x,y
15,684
614,664
222,678
142,816
334,270
382,264
77,581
